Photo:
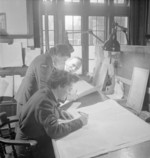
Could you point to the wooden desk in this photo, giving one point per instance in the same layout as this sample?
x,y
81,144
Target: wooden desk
x,y
141,150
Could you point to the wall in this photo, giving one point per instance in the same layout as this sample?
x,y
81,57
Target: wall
x,y
16,15
134,56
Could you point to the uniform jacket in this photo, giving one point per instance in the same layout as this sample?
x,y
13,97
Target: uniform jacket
x,y
35,78
39,120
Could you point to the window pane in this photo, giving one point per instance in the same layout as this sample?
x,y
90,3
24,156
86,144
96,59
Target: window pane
x,y
51,38
77,22
76,0
121,36
68,0
93,1
77,39
97,1
50,22
96,24
119,1
73,28
72,0
100,23
69,22
43,22
70,38
44,38
101,1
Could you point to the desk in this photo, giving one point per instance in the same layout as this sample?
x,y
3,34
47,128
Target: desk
x,y
140,150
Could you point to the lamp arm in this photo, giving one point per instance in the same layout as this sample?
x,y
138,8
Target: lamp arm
x,y
91,32
124,30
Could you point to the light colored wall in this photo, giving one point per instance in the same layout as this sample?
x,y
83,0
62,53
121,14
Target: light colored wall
x,y
16,15
134,56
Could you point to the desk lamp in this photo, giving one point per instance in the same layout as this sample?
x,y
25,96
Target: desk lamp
x,y
112,44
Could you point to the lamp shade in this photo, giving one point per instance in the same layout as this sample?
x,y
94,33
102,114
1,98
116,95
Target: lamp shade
x,y
112,44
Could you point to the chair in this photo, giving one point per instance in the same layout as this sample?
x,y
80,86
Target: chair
x,y
7,138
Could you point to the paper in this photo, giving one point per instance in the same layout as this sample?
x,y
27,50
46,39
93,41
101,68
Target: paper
x,y
138,88
11,55
118,90
17,82
6,86
80,89
110,127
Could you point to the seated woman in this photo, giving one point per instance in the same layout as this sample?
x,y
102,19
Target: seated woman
x,y
73,64
41,118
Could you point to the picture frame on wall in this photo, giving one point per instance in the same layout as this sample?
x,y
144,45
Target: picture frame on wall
x,y
3,30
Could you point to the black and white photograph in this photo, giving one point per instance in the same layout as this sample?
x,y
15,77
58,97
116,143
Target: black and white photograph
x,y
74,79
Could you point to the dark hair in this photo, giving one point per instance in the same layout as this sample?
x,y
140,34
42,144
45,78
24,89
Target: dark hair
x,y
60,49
61,78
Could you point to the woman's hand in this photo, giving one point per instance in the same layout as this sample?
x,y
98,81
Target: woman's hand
x,y
84,118
66,115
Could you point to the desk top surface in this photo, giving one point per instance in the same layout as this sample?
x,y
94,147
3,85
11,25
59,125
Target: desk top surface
x,y
140,150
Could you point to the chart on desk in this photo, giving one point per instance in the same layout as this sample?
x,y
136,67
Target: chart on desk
x,y
110,127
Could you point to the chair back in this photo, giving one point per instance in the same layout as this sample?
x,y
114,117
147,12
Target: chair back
x,y
7,138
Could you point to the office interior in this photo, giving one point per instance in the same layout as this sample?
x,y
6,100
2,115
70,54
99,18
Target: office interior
x,y
29,28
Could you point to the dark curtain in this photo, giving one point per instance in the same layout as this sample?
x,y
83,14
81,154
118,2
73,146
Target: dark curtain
x,y
138,21
36,22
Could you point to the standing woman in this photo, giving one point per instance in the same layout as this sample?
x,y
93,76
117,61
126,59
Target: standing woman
x,y
39,71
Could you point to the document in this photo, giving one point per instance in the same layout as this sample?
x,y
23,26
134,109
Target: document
x,y
6,86
80,89
110,127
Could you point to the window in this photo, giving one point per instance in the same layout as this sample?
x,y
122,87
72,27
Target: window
x,y
51,30
47,0
121,36
48,34
97,25
43,31
72,0
73,28
97,1
79,16
119,1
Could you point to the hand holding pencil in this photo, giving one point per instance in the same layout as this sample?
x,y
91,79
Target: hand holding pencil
x,y
83,118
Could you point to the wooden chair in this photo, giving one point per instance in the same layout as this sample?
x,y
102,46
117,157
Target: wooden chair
x,y
7,138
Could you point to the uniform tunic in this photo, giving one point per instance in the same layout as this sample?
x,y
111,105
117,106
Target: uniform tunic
x,y
36,77
39,120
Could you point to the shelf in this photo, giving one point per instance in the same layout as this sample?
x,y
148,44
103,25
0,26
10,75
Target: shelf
x,y
10,38
11,71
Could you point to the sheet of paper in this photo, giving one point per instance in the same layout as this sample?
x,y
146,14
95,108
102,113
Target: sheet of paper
x,y
80,89
11,55
17,81
110,127
6,86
